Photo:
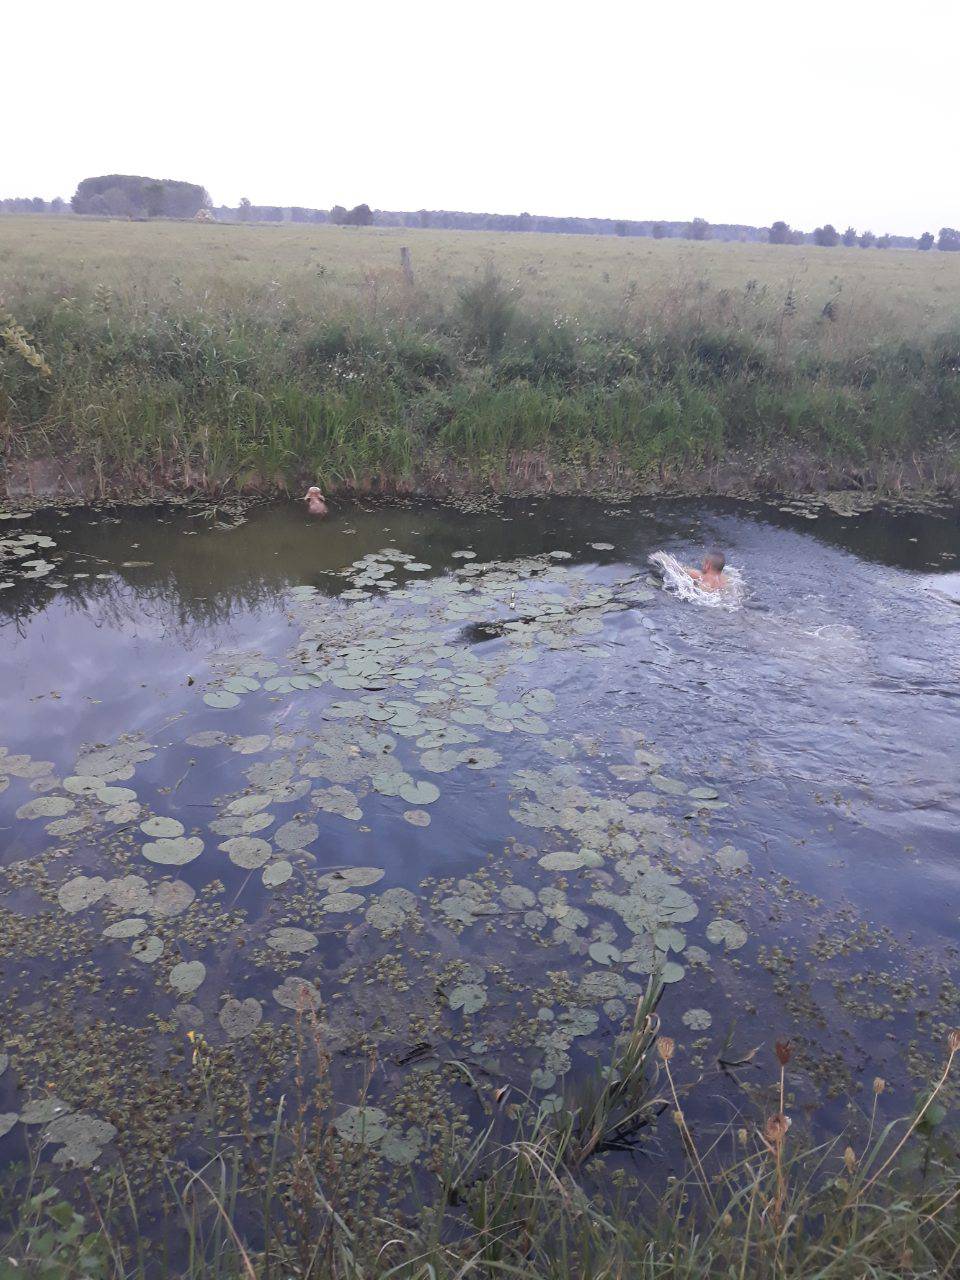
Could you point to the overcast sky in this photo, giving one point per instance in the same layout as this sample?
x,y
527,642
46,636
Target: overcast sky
x,y
741,111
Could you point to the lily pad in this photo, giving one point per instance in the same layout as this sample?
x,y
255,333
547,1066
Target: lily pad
x,y
207,738
147,950
240,1017
732,935
337,903
603,953
570,860
251,745
469,997
187,976
401,1146
247,852
241,684
83,1137
221,700
46,807
43,1110
171,898
296,834
671,786
244,806
277,873
540,701
115,796
291,940
364,1125
732,859
175,852
129,893
129,928
419,793
81,892
697,1019
416,817
82,784
161,827
350,878
297,993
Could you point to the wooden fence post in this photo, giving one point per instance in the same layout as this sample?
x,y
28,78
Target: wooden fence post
x,y
406,264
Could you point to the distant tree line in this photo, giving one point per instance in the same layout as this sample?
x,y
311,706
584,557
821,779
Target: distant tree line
x,y
121,195
33,204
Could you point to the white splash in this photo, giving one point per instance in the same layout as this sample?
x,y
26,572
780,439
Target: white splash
x,y
677,580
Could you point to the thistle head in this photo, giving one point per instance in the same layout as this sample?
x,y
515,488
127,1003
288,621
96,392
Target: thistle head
x,y
775,1128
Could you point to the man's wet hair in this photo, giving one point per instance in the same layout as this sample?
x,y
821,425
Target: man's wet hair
x,y
715,560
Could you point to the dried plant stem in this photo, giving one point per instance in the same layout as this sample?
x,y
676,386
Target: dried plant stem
x,y
688,1139
912,1126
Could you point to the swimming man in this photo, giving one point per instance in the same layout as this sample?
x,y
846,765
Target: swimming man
x,y
711,576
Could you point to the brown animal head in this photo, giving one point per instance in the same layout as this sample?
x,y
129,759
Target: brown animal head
x,y
316,503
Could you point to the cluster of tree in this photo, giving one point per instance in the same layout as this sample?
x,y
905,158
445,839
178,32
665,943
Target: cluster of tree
x,y
697,229
120,195
32,204
361,215
247,212
827,236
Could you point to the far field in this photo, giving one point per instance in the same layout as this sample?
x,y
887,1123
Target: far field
x,y
900,293
218,354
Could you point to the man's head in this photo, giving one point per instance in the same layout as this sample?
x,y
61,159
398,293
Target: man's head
x,y
713,562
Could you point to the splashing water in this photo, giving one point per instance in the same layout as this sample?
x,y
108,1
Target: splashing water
x,y
677,580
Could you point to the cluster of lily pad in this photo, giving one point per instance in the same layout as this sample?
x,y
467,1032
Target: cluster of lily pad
x,y
79,1136
384,698
22,554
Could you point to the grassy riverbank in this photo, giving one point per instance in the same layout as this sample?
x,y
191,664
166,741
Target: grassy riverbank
x,y
527,1197
220,357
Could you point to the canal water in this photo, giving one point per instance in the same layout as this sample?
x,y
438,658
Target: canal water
x,y
453,784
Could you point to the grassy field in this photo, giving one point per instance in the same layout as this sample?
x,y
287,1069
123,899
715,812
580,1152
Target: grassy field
x,y
188,355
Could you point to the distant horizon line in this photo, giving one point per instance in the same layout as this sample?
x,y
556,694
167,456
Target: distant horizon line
x,y
609,219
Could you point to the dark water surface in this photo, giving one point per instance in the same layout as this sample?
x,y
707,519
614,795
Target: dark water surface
x,y
822,715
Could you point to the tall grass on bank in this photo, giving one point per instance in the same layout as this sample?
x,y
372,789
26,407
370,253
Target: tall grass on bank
x,y
227,383
529,1196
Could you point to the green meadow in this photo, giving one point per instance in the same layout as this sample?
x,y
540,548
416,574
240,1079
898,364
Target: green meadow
x,y
215,357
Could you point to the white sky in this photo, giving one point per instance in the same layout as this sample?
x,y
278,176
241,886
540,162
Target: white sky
x,y
733,110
